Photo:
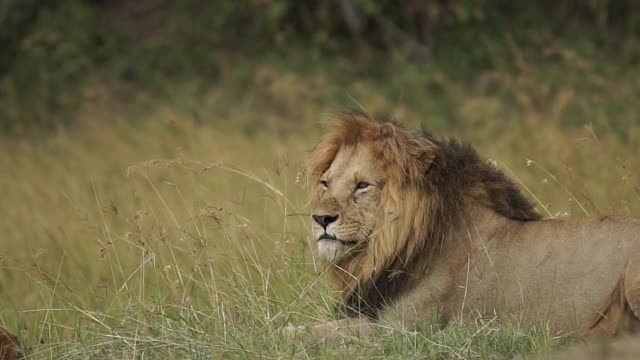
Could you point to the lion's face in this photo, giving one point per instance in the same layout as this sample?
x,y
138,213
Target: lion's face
x,y
346,202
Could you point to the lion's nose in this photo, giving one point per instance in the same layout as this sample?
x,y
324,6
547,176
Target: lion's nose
x,y
324,220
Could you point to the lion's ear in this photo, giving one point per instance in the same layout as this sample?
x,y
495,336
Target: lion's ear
x,y
386,131
410,153
405,143
428,157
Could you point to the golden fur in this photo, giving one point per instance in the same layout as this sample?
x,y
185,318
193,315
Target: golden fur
x,y
442,230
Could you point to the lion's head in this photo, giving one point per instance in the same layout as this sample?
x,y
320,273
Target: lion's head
x,y
384,199
344,211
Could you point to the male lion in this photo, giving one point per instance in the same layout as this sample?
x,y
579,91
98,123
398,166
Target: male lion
x,y
413,226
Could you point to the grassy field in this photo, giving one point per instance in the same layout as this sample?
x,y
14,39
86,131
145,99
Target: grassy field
x,y
178,228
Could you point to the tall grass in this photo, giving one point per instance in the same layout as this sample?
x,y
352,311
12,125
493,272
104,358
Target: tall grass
x,y
184,235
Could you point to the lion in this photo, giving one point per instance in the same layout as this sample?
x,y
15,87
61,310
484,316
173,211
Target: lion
x,y
418,228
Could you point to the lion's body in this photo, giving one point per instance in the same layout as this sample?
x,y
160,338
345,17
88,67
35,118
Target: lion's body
x,y
413,227
569,275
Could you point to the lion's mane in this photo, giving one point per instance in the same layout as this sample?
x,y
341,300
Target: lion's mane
x,y
430,182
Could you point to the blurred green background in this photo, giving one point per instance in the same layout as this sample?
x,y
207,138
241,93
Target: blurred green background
x,y
149,153
58,56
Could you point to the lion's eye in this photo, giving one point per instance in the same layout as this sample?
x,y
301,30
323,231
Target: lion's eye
x,y
362,185
324,183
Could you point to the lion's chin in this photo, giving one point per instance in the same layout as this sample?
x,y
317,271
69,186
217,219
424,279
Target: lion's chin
x,y
330,250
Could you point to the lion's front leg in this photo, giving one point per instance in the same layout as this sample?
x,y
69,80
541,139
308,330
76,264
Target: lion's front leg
x,y
331,331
